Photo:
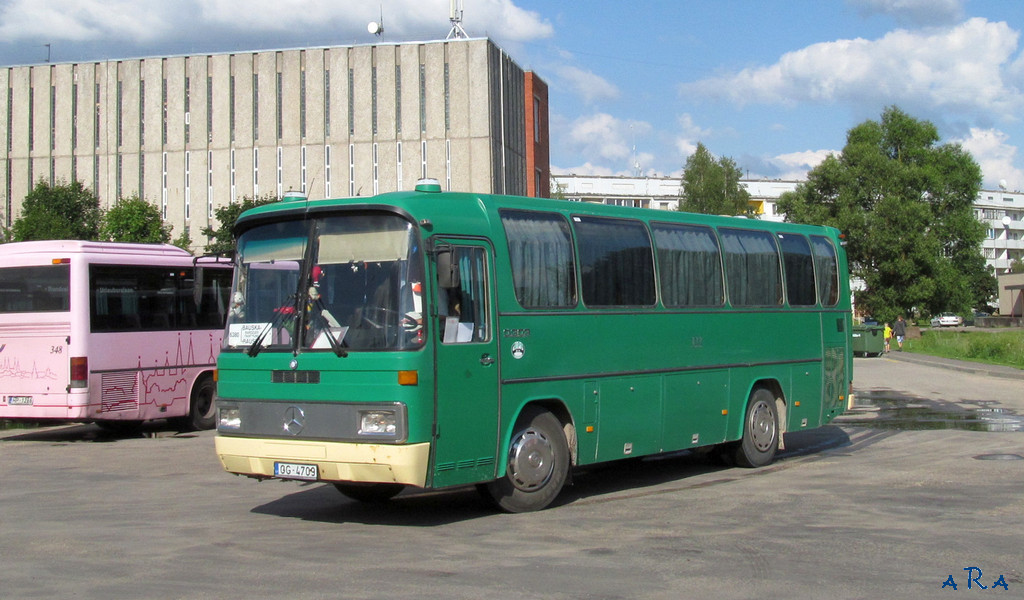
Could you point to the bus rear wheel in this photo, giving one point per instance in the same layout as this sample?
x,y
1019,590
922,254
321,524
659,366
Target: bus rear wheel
x,y
370,493
760,430
538,464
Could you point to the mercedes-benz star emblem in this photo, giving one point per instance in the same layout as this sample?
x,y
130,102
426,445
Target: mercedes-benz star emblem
x,y
294,420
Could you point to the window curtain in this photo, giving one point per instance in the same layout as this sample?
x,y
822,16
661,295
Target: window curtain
x,y
752,267
540,252
690,266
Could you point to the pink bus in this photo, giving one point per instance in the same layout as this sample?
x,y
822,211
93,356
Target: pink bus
x,y
109,333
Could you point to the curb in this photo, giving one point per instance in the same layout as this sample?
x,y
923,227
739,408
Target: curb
x,y
958,365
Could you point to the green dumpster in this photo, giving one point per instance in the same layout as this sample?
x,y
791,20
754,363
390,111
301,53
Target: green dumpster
x,y
868,340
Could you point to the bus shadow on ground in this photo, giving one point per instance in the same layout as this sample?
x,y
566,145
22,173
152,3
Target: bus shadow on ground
x,y
606,482
89,432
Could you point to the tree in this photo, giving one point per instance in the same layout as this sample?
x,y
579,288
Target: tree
x,y
62,212
905,204
713,187
221,240
184,241
132,219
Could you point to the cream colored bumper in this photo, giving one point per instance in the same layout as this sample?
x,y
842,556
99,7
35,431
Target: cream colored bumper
x,y
336,461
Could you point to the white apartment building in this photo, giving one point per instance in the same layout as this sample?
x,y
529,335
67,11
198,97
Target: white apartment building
x,y
1001,210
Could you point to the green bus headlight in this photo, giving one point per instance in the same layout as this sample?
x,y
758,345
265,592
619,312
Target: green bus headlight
x,y
230,418
378,422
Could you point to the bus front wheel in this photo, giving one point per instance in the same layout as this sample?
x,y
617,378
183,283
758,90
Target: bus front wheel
x,y
538,464
760,430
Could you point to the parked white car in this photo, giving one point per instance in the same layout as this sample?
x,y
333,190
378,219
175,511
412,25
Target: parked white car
x,y
947,320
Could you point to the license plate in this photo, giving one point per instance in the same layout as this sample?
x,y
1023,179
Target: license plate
x,y
19,400
295,471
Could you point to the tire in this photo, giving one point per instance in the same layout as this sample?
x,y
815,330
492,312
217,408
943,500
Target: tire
x,y
538,464
370,493
760,431
202,409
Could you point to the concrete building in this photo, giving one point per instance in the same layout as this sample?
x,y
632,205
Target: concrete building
x,y
192,133
1002,211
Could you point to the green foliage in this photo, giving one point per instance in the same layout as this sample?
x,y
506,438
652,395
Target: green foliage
x,y
997,348
713,187
132,219
220,240
184,241
905,204
62,212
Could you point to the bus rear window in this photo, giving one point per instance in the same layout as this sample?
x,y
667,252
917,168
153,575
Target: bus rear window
x,y
42,288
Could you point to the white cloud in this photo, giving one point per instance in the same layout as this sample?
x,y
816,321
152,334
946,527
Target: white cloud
x,y
586,84
995,156
149,21
87,20
690,134
961,68
795,165
914,12
603,138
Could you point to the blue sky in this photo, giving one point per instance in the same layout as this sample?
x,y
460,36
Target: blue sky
x,y
774,85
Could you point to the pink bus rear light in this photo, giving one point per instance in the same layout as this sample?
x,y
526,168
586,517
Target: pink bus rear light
x,y
79,371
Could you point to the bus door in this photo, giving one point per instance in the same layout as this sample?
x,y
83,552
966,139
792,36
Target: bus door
x,y
465,363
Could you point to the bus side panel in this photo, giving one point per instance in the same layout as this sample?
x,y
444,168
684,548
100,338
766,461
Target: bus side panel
x,y
693,409
148,375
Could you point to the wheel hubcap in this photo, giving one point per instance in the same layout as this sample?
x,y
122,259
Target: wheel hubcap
x,y
531,460
762,426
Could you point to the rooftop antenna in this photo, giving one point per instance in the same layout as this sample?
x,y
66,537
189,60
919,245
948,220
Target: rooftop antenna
x,y
455,16
377,27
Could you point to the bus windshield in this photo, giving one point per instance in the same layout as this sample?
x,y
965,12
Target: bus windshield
x,y
341,283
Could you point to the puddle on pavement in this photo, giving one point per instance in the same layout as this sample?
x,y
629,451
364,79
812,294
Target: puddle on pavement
x,y
887,410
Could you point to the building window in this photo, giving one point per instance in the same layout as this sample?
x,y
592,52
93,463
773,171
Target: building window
x,y
280,172
188,108
351,100
351,170
327,103
255,106
448,164
376,170
398,99
373,98
302,103
302,152
231,107
279,107
188,186
255,172
447,101
95,119
163,188
209,185
53,117
423,99
398,157
74,118
423,159
142,117
234,190
327,171
209,109
163,100
31,119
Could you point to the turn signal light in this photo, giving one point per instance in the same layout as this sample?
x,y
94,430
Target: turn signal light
x,y
408,378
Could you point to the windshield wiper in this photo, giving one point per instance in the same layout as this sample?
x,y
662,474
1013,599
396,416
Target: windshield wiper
x,y
282,312
326,329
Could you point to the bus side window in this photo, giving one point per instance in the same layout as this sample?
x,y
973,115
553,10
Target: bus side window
x,y
462,310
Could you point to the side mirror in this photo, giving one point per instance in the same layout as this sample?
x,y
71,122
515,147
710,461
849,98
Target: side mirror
x,y
447,268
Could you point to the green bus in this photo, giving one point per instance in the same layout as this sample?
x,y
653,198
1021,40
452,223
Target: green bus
x,y
436,339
